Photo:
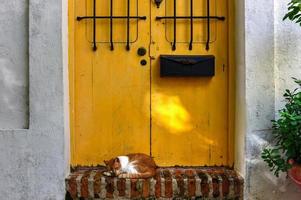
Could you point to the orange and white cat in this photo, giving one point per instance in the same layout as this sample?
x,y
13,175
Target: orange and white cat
x,y
136,165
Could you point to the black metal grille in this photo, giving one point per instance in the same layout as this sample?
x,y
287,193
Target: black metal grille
x,y
111,18
175,17
192,17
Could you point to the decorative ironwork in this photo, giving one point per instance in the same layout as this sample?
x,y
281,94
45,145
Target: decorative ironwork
x,y
174,25
208,17
94,17
191,24
128,17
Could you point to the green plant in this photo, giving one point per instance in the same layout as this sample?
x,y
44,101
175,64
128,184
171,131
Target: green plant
x,y
294,11
286,134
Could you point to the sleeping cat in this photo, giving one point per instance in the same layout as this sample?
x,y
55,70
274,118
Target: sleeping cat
x,y
136,165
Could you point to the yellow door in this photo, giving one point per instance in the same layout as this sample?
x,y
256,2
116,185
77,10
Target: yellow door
x,y
119,102
110,87
190,116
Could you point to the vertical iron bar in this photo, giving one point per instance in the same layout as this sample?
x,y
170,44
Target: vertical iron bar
x,y
208,25
94,26
111,25
191,24
174,25
128,28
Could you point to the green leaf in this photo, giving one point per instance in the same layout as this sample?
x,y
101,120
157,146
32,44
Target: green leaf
x,y
286,132
294,11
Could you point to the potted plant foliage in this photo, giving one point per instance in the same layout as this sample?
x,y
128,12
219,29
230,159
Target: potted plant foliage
x,y
285,154
294,11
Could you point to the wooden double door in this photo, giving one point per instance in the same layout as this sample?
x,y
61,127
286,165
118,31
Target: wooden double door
x,y
119,102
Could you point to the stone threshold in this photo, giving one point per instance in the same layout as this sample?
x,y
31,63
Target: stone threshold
x,y
169,183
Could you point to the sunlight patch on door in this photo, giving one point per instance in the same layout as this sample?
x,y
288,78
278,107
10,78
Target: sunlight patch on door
x,y
169,113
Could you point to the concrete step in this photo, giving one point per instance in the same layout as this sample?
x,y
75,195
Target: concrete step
x,y
169,183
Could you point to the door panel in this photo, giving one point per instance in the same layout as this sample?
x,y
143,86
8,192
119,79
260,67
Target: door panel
x,y
190,115
183,25
119,106
111,88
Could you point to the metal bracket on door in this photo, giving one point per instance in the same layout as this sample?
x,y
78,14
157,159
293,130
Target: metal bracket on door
x,y
158,3
191,17
111,17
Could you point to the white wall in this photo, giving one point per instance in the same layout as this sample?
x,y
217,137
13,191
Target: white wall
x,y
287,52
14,64
34,161
240,100
268,54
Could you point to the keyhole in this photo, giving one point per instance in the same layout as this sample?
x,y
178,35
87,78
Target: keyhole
x,y
143,62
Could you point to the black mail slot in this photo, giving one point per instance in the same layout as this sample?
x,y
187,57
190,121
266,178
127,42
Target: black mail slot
x,y
178,65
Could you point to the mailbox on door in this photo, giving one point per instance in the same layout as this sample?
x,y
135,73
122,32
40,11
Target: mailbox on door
x,y
177,65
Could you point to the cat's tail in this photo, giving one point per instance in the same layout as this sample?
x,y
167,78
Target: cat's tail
x,y
138,175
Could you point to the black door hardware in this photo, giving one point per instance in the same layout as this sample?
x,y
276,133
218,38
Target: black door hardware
x,y
174,25
111,25
94,17
183,65
143,62
141,51
191,24
158,3
192,17
208,25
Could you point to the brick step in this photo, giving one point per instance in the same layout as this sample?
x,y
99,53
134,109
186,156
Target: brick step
x,y
169,183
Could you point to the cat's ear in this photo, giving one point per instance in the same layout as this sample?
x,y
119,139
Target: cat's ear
x,y
106,162
117,160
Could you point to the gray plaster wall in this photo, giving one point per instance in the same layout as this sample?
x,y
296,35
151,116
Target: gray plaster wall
x,y
14,64
287,53
34,161
268,54
240,89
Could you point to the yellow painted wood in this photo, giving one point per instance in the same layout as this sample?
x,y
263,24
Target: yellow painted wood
x,y
71,42
110,88
190,115
117,105
232,70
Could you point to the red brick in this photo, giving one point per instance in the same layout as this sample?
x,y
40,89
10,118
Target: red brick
x,y
141,188
158,187
190,173
167,174
237,186
181,187
225,185
109,187
121,187
204,184
72,186
168,188
215,185
178,173
84,185
134,189
158,184
168,183
191,187
205,188
97,183
146,188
